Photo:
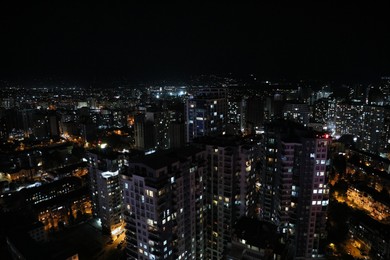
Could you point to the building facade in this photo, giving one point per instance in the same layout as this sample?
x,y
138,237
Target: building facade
x,y
164,206
106,193
293,184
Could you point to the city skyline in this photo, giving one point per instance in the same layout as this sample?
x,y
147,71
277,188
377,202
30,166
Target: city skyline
x,y
194,132
182,172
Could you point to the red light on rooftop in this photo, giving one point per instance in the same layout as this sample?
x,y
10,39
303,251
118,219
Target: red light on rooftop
x,y
326,136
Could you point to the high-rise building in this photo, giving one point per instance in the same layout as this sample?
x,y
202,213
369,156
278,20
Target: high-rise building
x,y
143,132
205,117
104,169
348,119
375,96
8,103
176,135
152,131
320,111
255,112
372,129
231,188
183,204
293,184
386,134
235,117
298,112
206,113
164,206
385,88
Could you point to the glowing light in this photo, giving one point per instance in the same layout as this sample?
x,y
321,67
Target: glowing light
x,y
116,231
109,174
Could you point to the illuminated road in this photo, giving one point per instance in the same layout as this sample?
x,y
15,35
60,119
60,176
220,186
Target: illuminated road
x,y
352,246
111,250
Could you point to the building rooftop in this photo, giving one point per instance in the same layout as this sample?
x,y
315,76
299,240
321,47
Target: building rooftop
x,y
161,159
292,131
109,174
257,233
105,153
225,140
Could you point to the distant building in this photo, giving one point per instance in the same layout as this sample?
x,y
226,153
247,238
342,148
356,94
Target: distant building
x,y
205,117
385,152
235,117
206,112
320,111
8,103
385,89
177,135
254,113
372,129
38,193
348,118
152,131
144,133
297,112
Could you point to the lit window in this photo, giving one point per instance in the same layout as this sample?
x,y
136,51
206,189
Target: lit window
x,y
149,193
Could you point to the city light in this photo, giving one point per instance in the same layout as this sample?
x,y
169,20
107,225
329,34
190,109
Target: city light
x,y
159,132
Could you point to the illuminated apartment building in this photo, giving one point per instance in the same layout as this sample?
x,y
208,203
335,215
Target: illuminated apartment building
x,y
231,188
348,118
104,169
164,206
372,129
151,131
297,112
206,113
293,184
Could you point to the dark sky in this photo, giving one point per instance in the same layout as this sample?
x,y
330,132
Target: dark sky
x,y
176,41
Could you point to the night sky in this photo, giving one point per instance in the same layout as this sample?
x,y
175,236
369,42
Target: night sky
x,y
343,42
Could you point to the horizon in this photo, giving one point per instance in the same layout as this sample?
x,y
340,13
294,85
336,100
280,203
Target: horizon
x,y
174,42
